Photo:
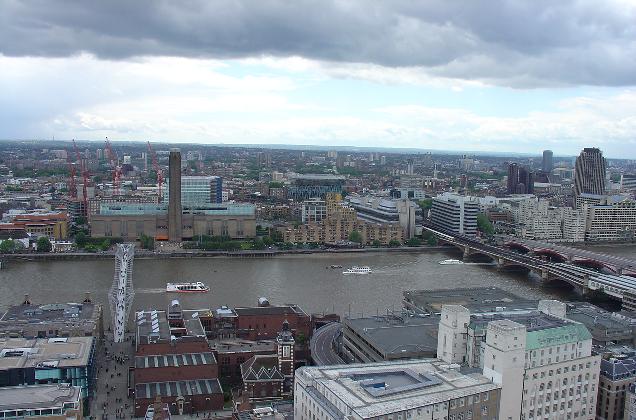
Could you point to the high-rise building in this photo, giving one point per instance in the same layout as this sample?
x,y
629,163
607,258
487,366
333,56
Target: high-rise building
x,y
520,180
456,213
543,361
548,163
198,191
174,204
589,172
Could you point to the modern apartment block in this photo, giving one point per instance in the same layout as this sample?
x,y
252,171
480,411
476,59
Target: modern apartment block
x,y
543,361
384,210
611,222
314,210
422,389
455,213
61,360
198,190
589,172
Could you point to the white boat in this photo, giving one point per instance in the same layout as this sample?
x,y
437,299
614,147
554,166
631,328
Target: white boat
x,y
451,262
187,287
358,270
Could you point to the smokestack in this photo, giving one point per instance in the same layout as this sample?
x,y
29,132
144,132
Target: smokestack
x,y
174,204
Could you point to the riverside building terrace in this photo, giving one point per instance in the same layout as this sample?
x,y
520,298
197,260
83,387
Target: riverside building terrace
x,y
406,389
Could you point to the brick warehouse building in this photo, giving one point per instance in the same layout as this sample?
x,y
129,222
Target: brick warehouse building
x,y
182,370
263,322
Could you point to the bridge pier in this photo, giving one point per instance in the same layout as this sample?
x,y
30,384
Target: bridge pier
x,y
466,253
501,263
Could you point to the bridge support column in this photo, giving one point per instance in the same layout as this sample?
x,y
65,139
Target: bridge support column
x,y
466,252
619,271
545,275
501,263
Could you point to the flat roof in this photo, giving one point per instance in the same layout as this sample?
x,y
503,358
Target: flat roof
x,y
476,300
152,326
38,396
419,383
270,310
84,311
398,335
178,388
18,353
242,346
595,317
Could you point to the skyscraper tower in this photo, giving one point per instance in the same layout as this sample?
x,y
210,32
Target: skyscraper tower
x,y
547,164
589,172
174,204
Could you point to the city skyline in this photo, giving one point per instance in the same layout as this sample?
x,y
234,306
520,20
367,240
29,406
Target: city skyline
x,y
528,77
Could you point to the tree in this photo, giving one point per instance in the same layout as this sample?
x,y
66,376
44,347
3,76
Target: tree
x,y
7,246
147,242
376,243
414,242
81,239
394,243
355,236
432,240
484,225
80,220
43,244
259,243
268,241
426,203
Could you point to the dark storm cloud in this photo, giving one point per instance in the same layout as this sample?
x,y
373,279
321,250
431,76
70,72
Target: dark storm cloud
x,y
513,43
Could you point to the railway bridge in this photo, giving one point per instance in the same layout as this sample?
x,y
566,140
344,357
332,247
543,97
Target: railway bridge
x,y
555,263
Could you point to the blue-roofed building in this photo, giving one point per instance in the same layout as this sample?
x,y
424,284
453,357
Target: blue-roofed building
x,y
618,373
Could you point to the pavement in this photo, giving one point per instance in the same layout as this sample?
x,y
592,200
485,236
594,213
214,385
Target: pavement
x,y
322,351
111,399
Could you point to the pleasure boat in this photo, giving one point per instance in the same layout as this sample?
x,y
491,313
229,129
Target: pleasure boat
x,y
451,262
358,270
187,287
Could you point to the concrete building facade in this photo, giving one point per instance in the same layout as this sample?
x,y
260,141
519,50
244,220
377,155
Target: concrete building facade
x,y
423,389
589,172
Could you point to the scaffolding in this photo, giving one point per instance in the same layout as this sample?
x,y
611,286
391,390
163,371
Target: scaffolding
x,y
121,292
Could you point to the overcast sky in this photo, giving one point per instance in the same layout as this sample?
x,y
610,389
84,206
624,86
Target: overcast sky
x,y
488,75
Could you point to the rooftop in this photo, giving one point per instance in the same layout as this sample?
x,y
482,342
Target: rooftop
x,y
17,353
50,312
38,396
476,300
377,389
270,310
178,388
398,335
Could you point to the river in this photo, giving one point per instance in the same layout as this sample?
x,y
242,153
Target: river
x,y
300,279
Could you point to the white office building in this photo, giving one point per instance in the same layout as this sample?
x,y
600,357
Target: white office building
x,y
456,213
417,389
542,360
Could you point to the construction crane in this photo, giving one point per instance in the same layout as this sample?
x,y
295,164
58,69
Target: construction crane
x,y
112,158
157,169
72,187
85,176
